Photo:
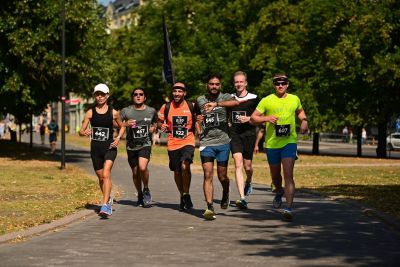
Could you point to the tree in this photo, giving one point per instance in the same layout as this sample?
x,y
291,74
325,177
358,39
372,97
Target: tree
x,y
30,53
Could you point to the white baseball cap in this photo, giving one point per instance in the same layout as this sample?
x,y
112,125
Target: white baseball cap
x,y
101,87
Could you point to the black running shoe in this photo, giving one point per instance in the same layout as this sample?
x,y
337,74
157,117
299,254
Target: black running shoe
x,y
225,200
187,201
182,205
146,197
140,202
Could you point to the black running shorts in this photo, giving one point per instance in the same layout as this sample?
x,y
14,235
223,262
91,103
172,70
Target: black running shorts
x,y
243,144
176,157
134,155
100,152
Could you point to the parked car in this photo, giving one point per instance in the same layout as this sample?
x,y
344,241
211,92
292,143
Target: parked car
x,y
393,141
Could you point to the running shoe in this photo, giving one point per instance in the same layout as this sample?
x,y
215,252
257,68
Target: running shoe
x,y
248,188
277,201
110,201
182,205
187,201
146,197
241,204
225,200
287,214
140,202
105,211
209,214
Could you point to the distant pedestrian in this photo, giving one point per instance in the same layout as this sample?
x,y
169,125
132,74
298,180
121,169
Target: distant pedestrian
x,y
156,137
363,136
140,121
351,136
345,134
2,129
42,131
103,147
53,132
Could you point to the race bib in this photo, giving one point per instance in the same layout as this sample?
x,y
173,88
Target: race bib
x,y
100,133
179,121
179,124
140,131
179,132
282,130
211,120
236,115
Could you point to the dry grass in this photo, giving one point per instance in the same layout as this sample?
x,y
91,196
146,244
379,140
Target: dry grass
x,y
33,189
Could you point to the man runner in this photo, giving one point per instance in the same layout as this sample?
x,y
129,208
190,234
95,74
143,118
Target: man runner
x,y
279,111
177,119
140,121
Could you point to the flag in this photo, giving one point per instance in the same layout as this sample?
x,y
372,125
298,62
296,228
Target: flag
x,y
167,72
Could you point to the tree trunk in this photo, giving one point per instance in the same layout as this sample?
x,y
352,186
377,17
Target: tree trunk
x,y
381,149
359,143
31,133
315,144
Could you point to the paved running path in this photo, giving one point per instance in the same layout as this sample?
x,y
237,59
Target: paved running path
x,y
324,232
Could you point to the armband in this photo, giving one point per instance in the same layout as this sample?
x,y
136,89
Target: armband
x,y
305,119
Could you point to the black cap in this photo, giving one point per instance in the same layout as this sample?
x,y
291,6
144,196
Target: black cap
x,y
280,79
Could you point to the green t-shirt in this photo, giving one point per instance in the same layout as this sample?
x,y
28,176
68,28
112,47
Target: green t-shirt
x,y
284,132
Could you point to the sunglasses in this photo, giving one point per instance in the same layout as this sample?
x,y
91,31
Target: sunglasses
x,y
280,83
216,84
138,94
100,94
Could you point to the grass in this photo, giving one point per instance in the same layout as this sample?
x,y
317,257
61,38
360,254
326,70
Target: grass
x,y
33,189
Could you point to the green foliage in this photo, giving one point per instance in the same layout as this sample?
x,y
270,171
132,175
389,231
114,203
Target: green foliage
x,y
30,52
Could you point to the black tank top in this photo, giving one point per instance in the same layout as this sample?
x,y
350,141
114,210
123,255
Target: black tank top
x,y
102,125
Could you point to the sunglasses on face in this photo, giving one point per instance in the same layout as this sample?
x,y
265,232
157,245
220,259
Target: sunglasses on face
x,y
100,94
280,83
138,94
216,84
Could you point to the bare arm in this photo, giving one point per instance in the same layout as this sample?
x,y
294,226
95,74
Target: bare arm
x,y
84,131
259,118
301,115
258,139
121,132
227,103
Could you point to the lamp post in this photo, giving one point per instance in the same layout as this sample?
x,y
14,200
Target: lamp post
x,y
63,85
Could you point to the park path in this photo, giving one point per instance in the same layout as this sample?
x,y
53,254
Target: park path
x,y
324,232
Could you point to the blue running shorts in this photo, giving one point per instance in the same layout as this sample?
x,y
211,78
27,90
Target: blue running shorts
x,y
275,155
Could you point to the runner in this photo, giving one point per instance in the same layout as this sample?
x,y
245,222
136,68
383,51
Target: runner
x,y
214,141
243,134
103,148
177,118
279,112
140,121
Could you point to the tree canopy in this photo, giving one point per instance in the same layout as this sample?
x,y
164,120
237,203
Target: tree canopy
x,y
30,52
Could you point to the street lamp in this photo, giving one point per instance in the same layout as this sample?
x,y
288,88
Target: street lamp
x,y
63,85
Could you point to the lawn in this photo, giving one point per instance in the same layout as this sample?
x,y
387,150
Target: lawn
x,y
33,189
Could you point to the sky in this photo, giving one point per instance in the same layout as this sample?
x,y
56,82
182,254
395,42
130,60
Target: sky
x,y
104,2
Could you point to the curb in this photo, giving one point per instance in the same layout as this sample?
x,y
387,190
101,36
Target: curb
x,y
44,228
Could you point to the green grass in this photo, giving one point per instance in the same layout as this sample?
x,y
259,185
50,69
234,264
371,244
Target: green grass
x,y
34,190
